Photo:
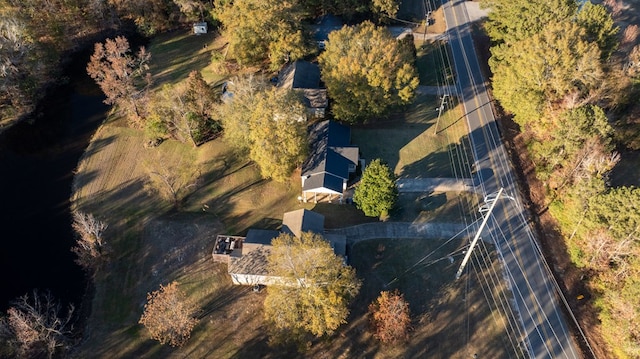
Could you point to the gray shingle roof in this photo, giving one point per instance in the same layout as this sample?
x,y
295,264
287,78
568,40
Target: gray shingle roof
x,y
302,220
254,262
260,236
315,98
320,182
300,75
330,154
325,26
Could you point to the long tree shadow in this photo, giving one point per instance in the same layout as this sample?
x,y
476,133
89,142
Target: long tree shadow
x,y
179,55
453,161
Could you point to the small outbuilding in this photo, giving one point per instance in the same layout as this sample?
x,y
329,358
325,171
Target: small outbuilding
x,y
200,28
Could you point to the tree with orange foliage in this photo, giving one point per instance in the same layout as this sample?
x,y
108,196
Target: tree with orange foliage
x,y
168,315
390,317
122,76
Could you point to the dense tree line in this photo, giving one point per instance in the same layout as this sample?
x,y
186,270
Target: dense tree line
x,y
37,37
559,70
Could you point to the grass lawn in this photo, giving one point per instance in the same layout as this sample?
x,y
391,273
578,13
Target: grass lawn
x,y
175,54
434,67
408,143
436,206
450,319
153,243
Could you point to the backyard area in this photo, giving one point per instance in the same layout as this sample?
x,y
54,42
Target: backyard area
x,y
154,242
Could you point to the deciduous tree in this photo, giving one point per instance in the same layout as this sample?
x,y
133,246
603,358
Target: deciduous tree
x,y
90,245
366,72
611,248
121,75
171,179
235,113
559,142
194,10
19,66
264,30
269,123
278,133
186,110
37,327
314,290
386,7
391,317
150,16
168,315
344,8
377,192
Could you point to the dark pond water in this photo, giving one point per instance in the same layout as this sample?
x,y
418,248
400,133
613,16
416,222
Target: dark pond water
x,y
37,161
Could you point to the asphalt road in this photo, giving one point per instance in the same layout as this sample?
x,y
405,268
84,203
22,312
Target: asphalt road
x,y
543,330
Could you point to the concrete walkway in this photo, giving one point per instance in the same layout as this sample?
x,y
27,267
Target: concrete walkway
x,y
361,232
434,184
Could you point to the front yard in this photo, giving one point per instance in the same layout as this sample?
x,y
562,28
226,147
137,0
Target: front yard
x,y
152,242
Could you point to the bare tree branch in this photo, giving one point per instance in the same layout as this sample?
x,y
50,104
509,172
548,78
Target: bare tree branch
x,y
37,327
90,245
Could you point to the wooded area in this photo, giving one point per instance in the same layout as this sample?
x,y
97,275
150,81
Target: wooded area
x,y
561,71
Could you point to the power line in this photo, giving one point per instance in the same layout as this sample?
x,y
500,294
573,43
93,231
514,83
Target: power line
x,y
429,255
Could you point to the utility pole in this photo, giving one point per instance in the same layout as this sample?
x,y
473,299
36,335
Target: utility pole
x,y
427,11
489,199
443,99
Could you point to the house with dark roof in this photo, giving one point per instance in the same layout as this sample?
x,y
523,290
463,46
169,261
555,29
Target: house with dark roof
x,y
323,27
332,159
304,78
247,258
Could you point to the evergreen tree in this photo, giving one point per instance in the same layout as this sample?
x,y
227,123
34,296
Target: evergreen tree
x,y
511,21
376,193
599,27
538,73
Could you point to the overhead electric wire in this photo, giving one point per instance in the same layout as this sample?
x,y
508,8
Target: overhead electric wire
x,y
427,256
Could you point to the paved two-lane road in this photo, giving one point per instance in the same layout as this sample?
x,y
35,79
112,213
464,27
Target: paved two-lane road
x,y
543,332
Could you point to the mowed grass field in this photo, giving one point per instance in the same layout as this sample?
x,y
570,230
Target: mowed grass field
x,y
153,243
410,144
